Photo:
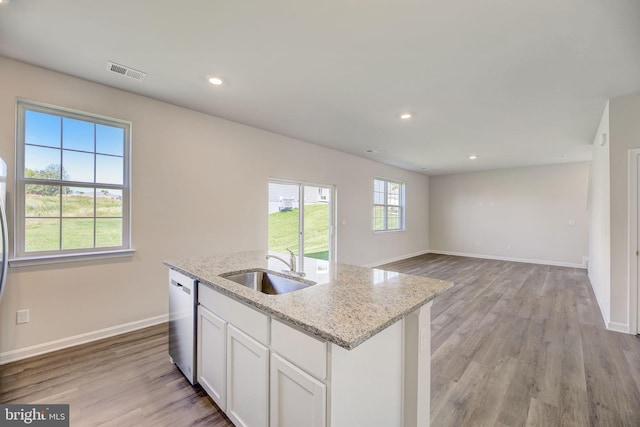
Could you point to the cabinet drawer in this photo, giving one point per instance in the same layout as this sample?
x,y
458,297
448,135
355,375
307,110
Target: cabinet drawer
x,y
300,349
247,319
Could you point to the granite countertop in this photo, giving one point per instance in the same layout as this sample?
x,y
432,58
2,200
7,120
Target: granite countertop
x,y
347,306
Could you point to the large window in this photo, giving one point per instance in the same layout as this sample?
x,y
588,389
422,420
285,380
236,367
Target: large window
x,y
388,205
72,182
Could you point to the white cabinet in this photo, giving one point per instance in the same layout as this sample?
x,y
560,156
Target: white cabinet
x,y
233,367
304,351
249,320
297,399
212,356
247,380
264,372
298,370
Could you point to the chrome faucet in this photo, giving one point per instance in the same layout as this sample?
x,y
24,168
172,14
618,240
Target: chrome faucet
x,y
291,264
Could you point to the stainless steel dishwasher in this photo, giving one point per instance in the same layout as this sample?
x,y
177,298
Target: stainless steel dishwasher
x,y
182,323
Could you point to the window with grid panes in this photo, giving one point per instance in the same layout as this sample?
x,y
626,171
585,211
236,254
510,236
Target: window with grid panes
x,y
388,205
72,182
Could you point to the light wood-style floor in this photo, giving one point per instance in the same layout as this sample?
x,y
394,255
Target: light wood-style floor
x,y
124,381
513,345
517,344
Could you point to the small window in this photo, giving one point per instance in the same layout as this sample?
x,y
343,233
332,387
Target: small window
x,y
72,182
388,205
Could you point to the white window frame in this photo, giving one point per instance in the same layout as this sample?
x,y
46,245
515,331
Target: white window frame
x,y
386,205
23,258
332,215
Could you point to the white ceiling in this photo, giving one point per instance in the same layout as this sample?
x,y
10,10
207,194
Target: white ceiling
x,y
517,82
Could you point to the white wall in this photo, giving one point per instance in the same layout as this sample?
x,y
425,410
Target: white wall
x,y
199,187
599,219
518,214
624,124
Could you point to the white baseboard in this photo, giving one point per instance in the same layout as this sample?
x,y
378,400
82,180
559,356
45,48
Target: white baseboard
x,y
23,353
502,258
400,258
604,313
618,327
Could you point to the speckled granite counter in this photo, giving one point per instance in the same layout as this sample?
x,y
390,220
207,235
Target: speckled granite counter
x,y
347,306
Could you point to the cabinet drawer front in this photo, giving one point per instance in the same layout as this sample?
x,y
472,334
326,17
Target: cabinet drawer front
x,y
299,348
247,319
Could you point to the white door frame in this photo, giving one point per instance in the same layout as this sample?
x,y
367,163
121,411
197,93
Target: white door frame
x,y
634,283
333,206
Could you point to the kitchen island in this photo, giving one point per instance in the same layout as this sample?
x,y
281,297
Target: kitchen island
x,y
353,349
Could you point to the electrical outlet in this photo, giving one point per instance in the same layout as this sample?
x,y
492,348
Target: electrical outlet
x,y
22,316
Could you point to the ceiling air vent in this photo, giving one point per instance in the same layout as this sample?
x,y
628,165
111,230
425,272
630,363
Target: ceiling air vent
x,y
126,71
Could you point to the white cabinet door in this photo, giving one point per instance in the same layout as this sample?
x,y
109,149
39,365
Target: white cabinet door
x,y
212,355
247,380
297,399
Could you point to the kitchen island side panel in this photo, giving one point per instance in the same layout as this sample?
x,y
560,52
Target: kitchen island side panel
x,y
366,384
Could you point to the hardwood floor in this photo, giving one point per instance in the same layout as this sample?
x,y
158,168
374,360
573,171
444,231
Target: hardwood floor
x,y
513,345
517,344
121,381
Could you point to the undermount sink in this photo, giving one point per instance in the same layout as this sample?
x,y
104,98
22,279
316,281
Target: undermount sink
x,y
268,283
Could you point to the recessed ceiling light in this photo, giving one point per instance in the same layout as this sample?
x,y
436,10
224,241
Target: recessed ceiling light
x,y
371,151
215,81
473,157
405,116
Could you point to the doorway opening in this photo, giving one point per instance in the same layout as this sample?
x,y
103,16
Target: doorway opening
x,y
301,218
634,241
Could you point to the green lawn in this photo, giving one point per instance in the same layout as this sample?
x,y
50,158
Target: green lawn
x,y
44,229
283,231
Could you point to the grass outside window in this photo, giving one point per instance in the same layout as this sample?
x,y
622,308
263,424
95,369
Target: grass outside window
x,y
283,231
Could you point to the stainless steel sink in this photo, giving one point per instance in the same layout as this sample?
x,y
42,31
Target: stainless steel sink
x,y
268,283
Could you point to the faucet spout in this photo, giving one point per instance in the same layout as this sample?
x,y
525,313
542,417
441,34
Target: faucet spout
x,y
292,260
291,264
285,262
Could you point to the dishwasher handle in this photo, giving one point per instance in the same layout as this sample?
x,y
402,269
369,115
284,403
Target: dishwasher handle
x,y
179,285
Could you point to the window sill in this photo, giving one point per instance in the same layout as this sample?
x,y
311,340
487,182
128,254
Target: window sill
x,y
65,258
399,230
